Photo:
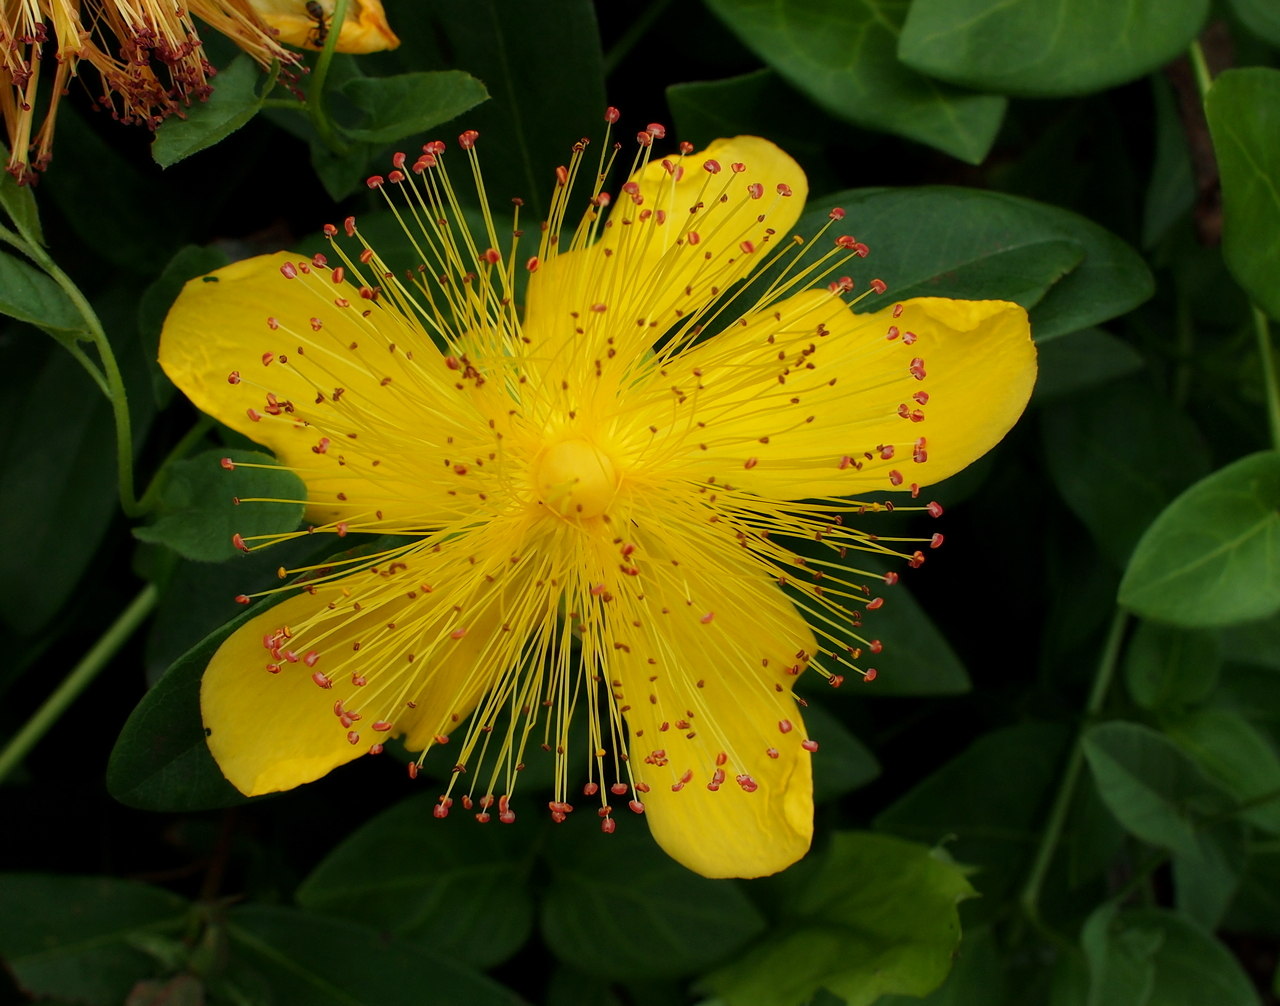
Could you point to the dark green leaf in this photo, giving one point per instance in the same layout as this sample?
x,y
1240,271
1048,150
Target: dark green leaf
x,y
1154,790
1172,190
306,958
341,174
1262,17
1118,456
202,504
1168,669
619,907
841,54
234,101
1257,905
1243,107
411,103
57,469
1121,961
1213,556
846,763
1044,48
1205,882
978,978
460,890
1238,756
916,660
19,202
81,938
875,916
29,295
1081,360
989,816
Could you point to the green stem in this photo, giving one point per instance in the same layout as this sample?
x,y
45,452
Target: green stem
x,y
637,30
1263,330
324,127
81,675
1204,79
1030,898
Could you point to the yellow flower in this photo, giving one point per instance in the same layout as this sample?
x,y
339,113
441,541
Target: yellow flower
x,y
598,498
149,58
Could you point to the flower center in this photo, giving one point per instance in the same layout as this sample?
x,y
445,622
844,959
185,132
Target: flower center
x,y
575,478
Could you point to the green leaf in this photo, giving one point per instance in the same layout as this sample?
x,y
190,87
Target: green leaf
x,y
938,241
1172,190
79,937
841,54
300,957
1262,17
1206,881
411,103
1168,669
1046,48
620,907
1157,957
203,504
57,469
1154,790
28,295
978,978
876,915
1080,360
846,763
1243,108
989,816
19,201
463,891
234,101
916,660
1213,556
1236,754
1117,484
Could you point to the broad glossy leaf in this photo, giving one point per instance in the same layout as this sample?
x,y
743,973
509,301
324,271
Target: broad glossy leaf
x,y
1122,966
938,241
203,504
1262,17
977,979
1243,108
1046,48
876,915
81,938
619,906
19,202
328,962
452,886
1080,360
234,101
411,103
1213,556
1155,790
1205,882
1118,456
1168,669
1238,756
841,54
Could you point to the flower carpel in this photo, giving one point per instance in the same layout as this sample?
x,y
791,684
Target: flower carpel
x,y
575,479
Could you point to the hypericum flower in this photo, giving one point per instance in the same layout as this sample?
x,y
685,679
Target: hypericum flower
x,y
626,503
148,56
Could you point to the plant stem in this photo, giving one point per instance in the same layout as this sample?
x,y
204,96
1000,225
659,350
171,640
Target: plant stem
x,y
1199,67
315,95
1103,676
81,675
1263,330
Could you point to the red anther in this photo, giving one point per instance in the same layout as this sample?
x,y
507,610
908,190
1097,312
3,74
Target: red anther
x,y
486,801
748,784
341,529
837,213
707,618
492,256
886,452
322,447
382,726
612,115
935,541
483,817
784,726
412,769
590,789
398,159
238,542
916,560
604,811
374,181
921,398
338,710
359,680
440,738
289,271
656,129
273,323
422,163
532,264
636,807
879,285
243,599
434,147
273,668
466,803
644,139
686,147
861,250
233,377
869,674
755,190
895,478
836,680
608,826
875,602
267,358
618,789
457,633
917,368
721,758
467,139
711,167
717,780
642,787
747,246
321,679
890,578
319,260
228,464
557,816
935,509
330,231
375,749
784,189
349,225
737,167
353,737
627,549
311,658
750,462
603,199
846,241
507,816
693,237
809,745
316,324
440,811
772,752
562,175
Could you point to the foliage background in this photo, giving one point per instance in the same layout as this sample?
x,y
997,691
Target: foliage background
x,y
1079,717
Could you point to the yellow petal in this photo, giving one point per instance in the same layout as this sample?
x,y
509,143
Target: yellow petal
x,y
807,399
715,732
301,24
273,731
656,261
355,448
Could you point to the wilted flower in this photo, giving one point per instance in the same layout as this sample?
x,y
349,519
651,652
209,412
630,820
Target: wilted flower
x,y
596,500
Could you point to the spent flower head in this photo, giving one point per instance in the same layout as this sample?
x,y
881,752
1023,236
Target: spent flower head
x,y
634,495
